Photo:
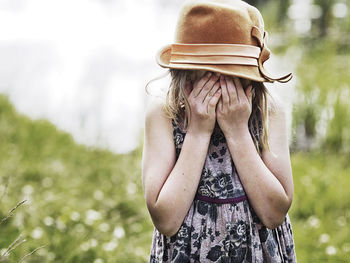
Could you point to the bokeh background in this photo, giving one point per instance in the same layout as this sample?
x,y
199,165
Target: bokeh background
x,y
72,102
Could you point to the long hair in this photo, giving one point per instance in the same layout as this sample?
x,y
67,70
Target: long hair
x,y
178,108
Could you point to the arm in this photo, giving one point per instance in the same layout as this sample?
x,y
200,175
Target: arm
x,y
267,180
170,187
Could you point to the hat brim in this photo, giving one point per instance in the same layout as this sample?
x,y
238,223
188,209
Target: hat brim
x,y
241,71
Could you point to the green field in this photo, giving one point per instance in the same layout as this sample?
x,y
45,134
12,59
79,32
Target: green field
x,y
87,205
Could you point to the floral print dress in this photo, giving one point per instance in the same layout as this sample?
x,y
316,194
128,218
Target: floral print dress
x,y
218,231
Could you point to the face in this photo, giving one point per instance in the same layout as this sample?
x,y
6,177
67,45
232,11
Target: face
x,y
197,74
245,82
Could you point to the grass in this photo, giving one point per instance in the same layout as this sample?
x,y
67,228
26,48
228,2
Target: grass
x,y
87,205
82,203
320,212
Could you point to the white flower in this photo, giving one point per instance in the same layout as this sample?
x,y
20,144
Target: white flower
x,y
48,221
27,189
313,222
110,246
92,216
60,224
80,228
57,166
139,251
331,250
49,196
85,246
104,227
93,242
131,188
50,256
75,216
37,233
98,195
341,221
346,247
324,238
119,232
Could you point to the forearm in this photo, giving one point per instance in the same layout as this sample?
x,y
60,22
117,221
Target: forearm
x,y
178,191
265,193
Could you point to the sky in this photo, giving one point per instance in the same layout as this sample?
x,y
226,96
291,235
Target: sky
x,y
83,64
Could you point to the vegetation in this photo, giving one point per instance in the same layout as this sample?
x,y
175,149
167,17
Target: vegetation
x,y
87,205
82,204
64,202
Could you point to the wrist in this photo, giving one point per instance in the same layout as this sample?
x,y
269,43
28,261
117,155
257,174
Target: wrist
x,y
238,134
204,135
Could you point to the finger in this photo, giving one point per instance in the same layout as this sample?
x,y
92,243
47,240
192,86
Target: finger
x,y
214,101
188,88
249,94
225,97
220,106
240,91
232,90
199,83
211,93
208,86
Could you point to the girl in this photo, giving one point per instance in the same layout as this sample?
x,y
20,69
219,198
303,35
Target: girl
x,y
216,167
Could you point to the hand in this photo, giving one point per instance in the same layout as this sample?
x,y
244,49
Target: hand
x,y
203,97
234,107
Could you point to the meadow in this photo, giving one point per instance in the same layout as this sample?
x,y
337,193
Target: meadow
x,y
78,204
87,205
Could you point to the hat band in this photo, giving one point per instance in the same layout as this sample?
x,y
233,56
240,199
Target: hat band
x,y
233,54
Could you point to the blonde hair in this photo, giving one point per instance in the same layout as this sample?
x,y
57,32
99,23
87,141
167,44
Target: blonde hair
x,y
178,108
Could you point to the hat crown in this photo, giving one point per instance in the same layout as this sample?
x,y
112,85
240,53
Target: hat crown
x,y
225,36
218,21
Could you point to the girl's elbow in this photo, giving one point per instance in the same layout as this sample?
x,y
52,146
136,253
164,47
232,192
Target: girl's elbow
x,y
273,223
274,220
163,222
168,229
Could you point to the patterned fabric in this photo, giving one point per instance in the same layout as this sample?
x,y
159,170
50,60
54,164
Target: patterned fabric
x,y
222,233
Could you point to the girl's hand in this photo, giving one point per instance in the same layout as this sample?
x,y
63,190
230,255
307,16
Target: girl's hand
x,y
234,107
203,97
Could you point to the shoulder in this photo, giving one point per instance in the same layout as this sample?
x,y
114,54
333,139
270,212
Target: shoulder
x,y
155,109
276,106
279,114
279,119
156,116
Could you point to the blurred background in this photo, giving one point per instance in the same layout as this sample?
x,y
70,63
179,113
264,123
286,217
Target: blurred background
x,y
72,102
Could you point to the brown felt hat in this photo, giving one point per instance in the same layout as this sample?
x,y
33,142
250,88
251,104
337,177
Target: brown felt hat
x,y
225,36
